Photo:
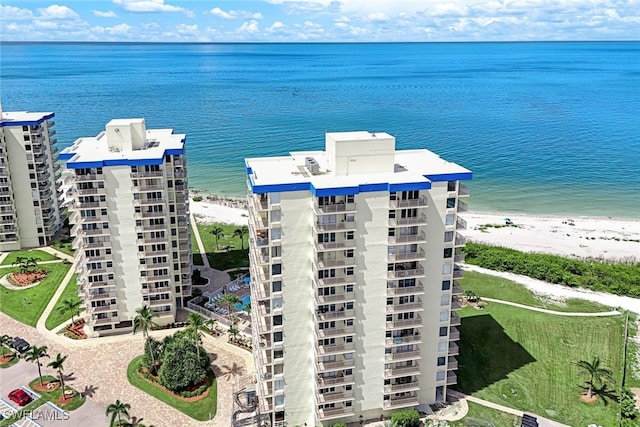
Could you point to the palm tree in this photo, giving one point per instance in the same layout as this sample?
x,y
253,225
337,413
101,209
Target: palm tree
x,y
71,306
595,372
58,364
241,232
231,300
144,320
247,307
217,232
116,410
234,333
34,354
196,326
211,324
5,340
27,264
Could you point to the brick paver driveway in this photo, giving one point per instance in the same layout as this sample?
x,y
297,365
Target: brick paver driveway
x,y
98,368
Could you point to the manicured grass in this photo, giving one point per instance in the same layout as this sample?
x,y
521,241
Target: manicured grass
x,y
195,250
479,416
64,245
485,285
201,410
34,253
25,410
27,305
526,360
56,317
53,396
223,259
11,362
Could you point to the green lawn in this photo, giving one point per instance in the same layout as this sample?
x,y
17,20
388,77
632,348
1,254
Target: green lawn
x,y
525,360
201,410
23,411
224,259
11,362
52,396
34,253
27,305
481,416
64,245
485,285
56,317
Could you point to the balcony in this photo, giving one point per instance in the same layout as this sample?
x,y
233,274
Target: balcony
x,y
411,221
402,356
416,322
408,339
258,204
462,206
409,238
147,174
334,332
336,298
403,371
260,291
149,227
145,202
400,308
403,274
99,296
329,413
398,388
102,308
420,202
332,366
463,190
104,321
335,315
89,191
454,350
325,350
340,226
345,262
410,256
407,290
452,363
460,239
456,304
454,334
334,381
336,396
458,258
461,224
454,320
340,207
451,378
400,402
151,279
158,302
332,246
333,281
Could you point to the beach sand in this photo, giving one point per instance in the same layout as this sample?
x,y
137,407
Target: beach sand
x,y
584,237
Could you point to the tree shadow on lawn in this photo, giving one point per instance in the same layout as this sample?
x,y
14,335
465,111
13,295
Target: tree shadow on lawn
x,y
232,258
487,353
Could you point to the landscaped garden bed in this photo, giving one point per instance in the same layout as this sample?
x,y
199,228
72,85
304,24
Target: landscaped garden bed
x,y
27,278
76,330
50,389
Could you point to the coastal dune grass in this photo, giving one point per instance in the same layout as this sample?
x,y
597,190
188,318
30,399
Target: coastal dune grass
x,y
27,305
617,278
526,360
201,410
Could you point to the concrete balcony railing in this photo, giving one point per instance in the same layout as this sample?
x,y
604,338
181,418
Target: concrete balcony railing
x,y
258,204
451,378
463,190
336,396
410,256
411,221
403,274
337,298
332,246
104,321
402,356
400,402
454,334
325,350
335,208
402,371
454,350
458,273
461,224
102,308
397,388
454,320
420,237
408,339
458,258
335,315
88,177
325,381
420,202
324,264
334,332
340,226
158,302
406,290
416,322
332,366
400,308
99,296
147,174
462,206
330,413
334,281
452,363
89,191
456,304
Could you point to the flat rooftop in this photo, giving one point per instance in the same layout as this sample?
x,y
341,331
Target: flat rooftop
x,y
24,118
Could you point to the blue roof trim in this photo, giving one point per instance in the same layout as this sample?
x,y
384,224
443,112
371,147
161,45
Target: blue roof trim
x,y
280,188
461,176
65,156
410,186
336,191
249,171
370,188
26,122
174,151
117,162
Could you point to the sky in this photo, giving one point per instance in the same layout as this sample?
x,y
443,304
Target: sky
x,y
318,20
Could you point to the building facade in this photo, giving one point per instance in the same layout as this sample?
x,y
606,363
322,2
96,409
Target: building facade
x,y
353,255
30,214
130,213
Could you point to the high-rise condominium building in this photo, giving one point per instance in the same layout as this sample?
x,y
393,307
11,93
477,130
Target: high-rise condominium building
x,y
30,214
130,214
353,256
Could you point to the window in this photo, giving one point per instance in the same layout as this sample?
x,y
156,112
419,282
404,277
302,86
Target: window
x,y
446,285
451,186
448,253
350,235
443,331
277,337
277,320
276,269
348,271
451,202
442,360
440,375
276,286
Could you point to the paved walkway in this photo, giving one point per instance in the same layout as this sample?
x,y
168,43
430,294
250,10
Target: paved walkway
x,y
196,233
557,313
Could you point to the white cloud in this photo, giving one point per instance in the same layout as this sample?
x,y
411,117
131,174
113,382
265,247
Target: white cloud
x,y
57,12
45,25
276,26
376,16
107,14
235,14
150,6
14,13
116,30
188,30
250,27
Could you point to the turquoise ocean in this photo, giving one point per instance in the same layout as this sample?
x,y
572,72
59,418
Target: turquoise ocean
x,y
547,128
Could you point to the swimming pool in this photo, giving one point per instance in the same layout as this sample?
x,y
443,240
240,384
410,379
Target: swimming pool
x,y
245,300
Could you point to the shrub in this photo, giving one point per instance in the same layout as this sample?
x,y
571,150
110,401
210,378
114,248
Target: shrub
x,y
197,198
181,368
406,418
340,425
196,392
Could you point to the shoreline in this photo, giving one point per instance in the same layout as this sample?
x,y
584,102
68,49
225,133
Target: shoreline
x,y
606,238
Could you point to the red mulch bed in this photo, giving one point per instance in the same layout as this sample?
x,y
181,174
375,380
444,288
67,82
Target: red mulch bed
x,y
26,279
6,358
177,396
77,330
44,386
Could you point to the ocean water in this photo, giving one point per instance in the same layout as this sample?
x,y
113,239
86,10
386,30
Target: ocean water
x,y
545,127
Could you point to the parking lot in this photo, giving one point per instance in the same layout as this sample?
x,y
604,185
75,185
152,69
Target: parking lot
x,y
18,376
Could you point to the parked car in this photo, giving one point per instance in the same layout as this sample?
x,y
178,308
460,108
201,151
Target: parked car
x,y
19,344
20,397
